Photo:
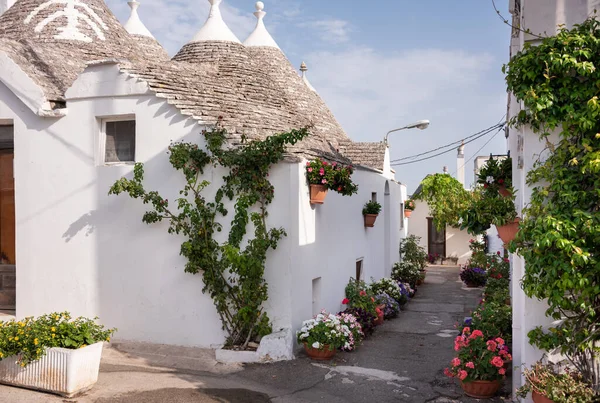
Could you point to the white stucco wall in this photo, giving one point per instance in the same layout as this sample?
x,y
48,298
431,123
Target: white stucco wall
x,y
83,251
457,241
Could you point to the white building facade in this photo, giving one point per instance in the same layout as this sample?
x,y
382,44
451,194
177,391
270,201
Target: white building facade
x,y
78,249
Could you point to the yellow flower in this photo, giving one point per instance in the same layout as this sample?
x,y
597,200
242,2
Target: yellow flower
x,y
53,329
108,339
21,324
53,335
1,355
82,346
35,341
16,338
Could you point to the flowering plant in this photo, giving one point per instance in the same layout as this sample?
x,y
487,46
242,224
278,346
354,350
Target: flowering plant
x,y
359,295
406,293
494,319
409,205
29,338
496,173
391,307
388,286
473,276
407,273
356,332
334,176
325,331
478,359
567,387
365,318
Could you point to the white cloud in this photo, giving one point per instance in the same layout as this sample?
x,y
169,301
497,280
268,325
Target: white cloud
x,y
330,30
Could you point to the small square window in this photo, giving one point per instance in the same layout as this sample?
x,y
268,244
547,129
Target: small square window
x,y
119,141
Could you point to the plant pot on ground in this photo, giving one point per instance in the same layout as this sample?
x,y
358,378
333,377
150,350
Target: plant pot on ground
x,y
548,383
323,335
370,212
473,276
52,353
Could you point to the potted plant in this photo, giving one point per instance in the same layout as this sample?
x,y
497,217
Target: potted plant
x,y
386,286
360,296
356,332
406,273
53,353
497,174
479,364
473,276
389,305
323,335
323,176
370,212
548,385
409,206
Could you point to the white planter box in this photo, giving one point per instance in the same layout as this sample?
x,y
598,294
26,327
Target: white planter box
x,y
62,371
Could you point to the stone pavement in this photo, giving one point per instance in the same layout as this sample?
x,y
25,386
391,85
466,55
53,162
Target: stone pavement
x,y
402,362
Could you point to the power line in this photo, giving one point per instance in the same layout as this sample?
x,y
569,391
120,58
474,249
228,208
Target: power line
x,y
505,20
448,145
477,152
486,132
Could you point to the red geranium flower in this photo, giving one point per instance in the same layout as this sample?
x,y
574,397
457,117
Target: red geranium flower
x,y
345,301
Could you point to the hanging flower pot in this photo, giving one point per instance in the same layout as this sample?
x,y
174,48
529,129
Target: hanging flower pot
x,y
317,193
370,219
407,213
504,192
319,354
508,232
537,398
481,389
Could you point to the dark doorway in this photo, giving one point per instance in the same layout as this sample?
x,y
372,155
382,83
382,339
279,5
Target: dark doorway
x,y
7,220
436,239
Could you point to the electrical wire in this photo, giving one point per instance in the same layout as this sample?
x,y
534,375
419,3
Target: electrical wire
x,y
504,20
477,152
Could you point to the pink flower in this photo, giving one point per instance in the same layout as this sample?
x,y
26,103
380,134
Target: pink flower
x,y
470,365
324,181
307,163
466,330
448,373
506,260
491,345
475,334
500,341
462,374
345,301
497,361
455,362
362,293
322,172
309,169
501,371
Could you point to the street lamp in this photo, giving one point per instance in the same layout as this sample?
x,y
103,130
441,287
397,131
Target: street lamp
x,y
421,124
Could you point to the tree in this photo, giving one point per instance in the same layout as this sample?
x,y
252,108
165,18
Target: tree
x,y
446,198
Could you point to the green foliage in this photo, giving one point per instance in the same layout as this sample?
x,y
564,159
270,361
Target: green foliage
x,y
496,173
487,207
412,252
29,338
409,205
360,295
334,176
371,207
558,83
446,197
566,387
233,274
494,319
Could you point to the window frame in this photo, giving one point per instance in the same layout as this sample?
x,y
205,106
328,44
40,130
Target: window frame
x,y
101,157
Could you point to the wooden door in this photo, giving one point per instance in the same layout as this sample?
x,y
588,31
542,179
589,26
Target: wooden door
x,y
436,239
7,227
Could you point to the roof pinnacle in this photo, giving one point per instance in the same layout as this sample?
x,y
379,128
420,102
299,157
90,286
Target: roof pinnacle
x,y
304,69
134,25
260,36
214,28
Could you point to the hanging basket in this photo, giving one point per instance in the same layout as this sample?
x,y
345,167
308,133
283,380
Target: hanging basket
x,y
407,213
508,232
320,355
537,398
317,194
481,389
370,219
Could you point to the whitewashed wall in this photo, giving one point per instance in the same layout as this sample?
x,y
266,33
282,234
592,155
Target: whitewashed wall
x,y
83,251
457,241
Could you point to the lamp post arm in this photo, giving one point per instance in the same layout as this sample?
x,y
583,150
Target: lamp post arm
x,y
392,131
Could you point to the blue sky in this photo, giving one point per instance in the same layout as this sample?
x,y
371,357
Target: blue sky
x,y
379,65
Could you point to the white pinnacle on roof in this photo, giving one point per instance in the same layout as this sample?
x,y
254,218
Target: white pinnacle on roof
x,y
134,25
214,28
260,36
304,69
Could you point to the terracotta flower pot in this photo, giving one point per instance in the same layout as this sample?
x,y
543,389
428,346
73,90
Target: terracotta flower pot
x,y
504,192
317,194
537,398
370,219
508,232
480,389
319,355
407,213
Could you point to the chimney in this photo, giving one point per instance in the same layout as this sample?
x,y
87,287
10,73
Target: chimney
x,y
460,164
5,5
445,169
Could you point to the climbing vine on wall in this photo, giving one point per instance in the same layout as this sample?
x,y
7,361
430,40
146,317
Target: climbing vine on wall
x,y
233,272
558,82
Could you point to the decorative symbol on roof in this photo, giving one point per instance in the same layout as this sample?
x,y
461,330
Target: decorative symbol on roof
x,y
71,30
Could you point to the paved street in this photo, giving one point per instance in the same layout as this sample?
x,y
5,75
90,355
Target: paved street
x,y
402,362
